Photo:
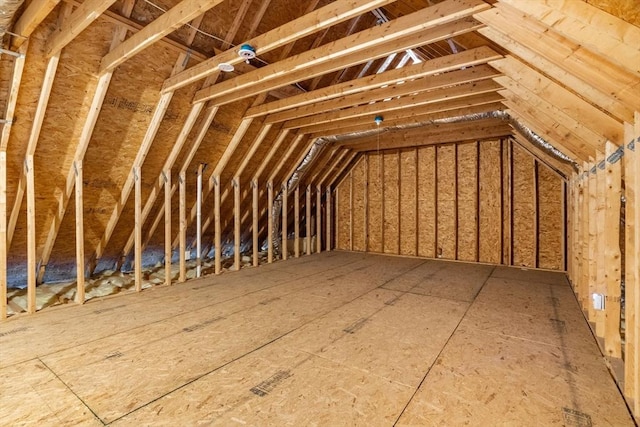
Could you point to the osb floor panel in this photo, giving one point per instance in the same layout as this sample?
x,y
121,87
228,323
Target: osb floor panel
x,y
330,339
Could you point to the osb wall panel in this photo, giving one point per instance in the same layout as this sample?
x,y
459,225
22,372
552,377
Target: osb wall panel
x,y
426,202
490,241
550,209
467,201
469,204
408,199
374,225
118,134
446,172
359,207
391,200
507,205
343,196
524,239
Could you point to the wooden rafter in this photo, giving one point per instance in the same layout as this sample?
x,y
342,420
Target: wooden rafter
x,y
173,19
606,85
407,102
569,103
339,95
588,26
390,34
441,81
431,134
235,26
538,123
80,19
16,79
308,24
406,117
579,139
29,20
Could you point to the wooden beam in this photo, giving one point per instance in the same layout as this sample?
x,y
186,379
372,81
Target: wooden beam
x,y
587,305
199,221
137,178
173,19
270,220
80,266
592,218
588,26
603,125
194,146
296,221
435,66
428,134
33,15
12,100
634,185
167,227
558,136
310,23
307,219
80,19
613,264
403,33
410,101
600,250
274,149
264,5
585,140
409,113
235,25
31,234
390,90
328,210
183,226
318,219
236,223
339,175
332,168
554,59
254,210
283,159
285,196
631,287
632,265
3,234
619,82
522,113
217,232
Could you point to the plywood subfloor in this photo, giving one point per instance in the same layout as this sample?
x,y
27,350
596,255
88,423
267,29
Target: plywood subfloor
x,y
329,339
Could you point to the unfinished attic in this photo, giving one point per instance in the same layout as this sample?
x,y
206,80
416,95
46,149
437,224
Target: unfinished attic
x,y
347,212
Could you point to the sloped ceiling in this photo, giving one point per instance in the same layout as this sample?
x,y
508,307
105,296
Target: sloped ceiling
x,y
107,92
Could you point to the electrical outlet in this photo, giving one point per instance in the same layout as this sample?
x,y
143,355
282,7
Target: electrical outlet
x,y
187,255
598,301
